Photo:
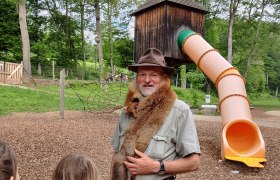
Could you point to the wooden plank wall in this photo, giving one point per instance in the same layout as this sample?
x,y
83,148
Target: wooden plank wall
x,y
150,29
159,26
10,73
178,19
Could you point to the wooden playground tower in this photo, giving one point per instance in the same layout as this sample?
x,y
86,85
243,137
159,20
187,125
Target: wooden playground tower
x,y
158,22
171,26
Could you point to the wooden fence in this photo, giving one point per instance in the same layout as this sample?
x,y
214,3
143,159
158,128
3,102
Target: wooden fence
x,y
10,73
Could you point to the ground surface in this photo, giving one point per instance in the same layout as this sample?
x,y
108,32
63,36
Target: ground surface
x,y
41,139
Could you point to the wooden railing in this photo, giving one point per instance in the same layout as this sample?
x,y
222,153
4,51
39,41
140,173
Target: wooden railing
x,y
10,73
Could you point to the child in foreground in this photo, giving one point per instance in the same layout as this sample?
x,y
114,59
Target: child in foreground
x,y
8,163
75,167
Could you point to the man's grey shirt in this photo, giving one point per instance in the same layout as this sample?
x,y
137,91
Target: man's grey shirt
x,y
176,138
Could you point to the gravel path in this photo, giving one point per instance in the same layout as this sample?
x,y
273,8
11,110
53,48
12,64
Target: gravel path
x,y
41,139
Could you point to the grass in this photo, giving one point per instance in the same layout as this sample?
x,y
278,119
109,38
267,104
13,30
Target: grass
x,y
91,96
46,98
15,99
266,101
194,98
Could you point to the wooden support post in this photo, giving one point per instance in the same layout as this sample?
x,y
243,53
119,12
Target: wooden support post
x,y
53,71
5,76
21,73
62,83
39,69
176,80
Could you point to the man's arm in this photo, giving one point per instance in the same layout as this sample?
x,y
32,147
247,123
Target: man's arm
x,y
145,165
183,165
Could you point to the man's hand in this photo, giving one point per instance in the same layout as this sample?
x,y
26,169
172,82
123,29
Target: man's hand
x,y
142,165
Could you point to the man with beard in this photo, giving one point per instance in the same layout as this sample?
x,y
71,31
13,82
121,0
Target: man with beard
x,y
155,137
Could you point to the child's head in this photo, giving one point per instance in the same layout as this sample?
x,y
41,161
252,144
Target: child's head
x,y
8,164
75,167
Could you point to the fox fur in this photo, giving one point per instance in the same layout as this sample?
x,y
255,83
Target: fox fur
x,y
149,114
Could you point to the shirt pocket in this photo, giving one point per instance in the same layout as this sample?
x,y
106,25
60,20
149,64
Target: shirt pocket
x,y
159,145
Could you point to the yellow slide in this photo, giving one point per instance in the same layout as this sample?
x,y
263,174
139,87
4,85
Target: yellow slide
x,y
241,137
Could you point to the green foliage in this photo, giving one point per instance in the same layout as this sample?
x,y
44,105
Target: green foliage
x,y
36,21
272,62
194,98
124,52
10,42
264,57
215,33
55,35
183,75
255,82
87,73
196,79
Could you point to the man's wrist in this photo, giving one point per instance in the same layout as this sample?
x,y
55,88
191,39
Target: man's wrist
x,y
161,168
156,168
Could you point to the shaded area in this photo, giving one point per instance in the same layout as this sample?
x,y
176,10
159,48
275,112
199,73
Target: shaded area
x,y
262,113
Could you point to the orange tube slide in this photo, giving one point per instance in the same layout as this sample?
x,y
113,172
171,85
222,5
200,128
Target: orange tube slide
x,y
241,138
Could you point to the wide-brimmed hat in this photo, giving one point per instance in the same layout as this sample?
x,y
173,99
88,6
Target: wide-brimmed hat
x,y
152,58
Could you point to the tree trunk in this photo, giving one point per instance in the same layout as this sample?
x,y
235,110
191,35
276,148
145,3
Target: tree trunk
x,y
232,11
253,46
82,6
267,85
37,34
111,36
54,13
98,39
68,36
25,42
176,83
183,74
39,69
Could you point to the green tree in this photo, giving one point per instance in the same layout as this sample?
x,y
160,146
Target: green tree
x,y
233,7
10,42
254,42
36,24
196,79
123,51
272,62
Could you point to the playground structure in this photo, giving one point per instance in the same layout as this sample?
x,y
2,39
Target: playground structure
x,y
241,138
169,25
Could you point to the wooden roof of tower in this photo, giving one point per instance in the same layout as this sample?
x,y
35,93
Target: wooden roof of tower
x,y
158,22
188,3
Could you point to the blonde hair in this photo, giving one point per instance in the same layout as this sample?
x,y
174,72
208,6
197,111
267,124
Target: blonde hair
x,y
8,163
75,167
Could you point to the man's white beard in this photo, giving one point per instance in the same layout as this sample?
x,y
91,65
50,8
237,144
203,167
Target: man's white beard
x,y
146,91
